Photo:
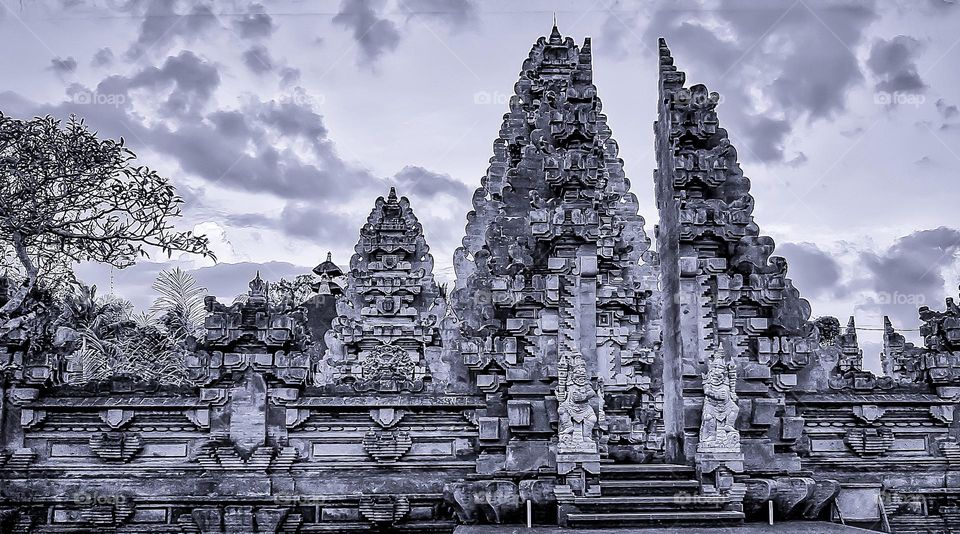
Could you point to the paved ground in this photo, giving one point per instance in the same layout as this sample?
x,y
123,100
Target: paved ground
x,y
789,527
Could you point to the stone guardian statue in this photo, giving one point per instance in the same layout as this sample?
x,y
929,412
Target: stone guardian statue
x,y
580,409
718,430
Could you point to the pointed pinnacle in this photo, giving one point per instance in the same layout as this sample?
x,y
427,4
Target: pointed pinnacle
x,y
555,37
392,197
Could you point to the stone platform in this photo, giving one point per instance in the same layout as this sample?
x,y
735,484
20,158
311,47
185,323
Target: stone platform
x,y
789,527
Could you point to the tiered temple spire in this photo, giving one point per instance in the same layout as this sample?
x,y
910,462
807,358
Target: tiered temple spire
x,y
555,265
386,331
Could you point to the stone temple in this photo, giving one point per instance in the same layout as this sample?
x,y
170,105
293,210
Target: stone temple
x,y
573,373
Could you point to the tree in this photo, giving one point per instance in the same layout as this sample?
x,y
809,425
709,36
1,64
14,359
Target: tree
x,y
180,305
67,196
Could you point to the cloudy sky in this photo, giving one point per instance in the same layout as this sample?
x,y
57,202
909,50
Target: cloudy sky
x,y
280,122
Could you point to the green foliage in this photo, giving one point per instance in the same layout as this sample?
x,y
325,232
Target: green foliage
x,y
113,341
180,304
67,196
294,292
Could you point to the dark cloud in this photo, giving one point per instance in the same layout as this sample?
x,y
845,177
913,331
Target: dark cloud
x,y
814,80
949,114
292,119
911,272
309,221
417,181
947,111
305,221
231,124
255,24
257,59
814,272
893,63
289,76
193,80
163,24
942,5
63,65
280,148
798,160
728,44
374,35
457,14
317,223
103,58
766,136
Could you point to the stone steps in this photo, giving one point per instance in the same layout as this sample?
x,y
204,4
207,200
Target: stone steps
x,y
646,471
660,518
649,495
648,487
630,503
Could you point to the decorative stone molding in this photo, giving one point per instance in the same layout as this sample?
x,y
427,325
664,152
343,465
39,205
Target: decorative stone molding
x,y
385,446
384,509
387,417
868,413
116,446
222,458
116,418
870,441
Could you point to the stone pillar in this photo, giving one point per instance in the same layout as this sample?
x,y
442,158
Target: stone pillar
x,y
672,350
586,314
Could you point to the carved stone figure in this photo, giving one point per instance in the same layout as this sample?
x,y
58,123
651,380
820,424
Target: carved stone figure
x,y
580,410
718,430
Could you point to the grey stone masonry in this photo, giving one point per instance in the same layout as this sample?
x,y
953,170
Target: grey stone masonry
x,y
572,373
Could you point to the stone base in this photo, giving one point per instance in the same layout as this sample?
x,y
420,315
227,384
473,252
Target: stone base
x,y
709,461
588,461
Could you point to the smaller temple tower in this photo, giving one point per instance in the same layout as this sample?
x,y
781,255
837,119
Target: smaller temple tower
x,y
386,331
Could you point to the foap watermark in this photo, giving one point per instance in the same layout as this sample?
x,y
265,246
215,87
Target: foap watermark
x,y
95,498
898,98
692,499
294,500
913,299
302,99
488,97
86,97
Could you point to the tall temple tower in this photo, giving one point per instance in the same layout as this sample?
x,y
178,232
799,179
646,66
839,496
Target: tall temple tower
x,y
555,266
732,294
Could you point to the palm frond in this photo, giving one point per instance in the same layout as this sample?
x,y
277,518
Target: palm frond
x,y
181,296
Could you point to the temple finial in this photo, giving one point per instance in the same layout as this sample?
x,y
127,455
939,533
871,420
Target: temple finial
x,y
392,197
555,37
